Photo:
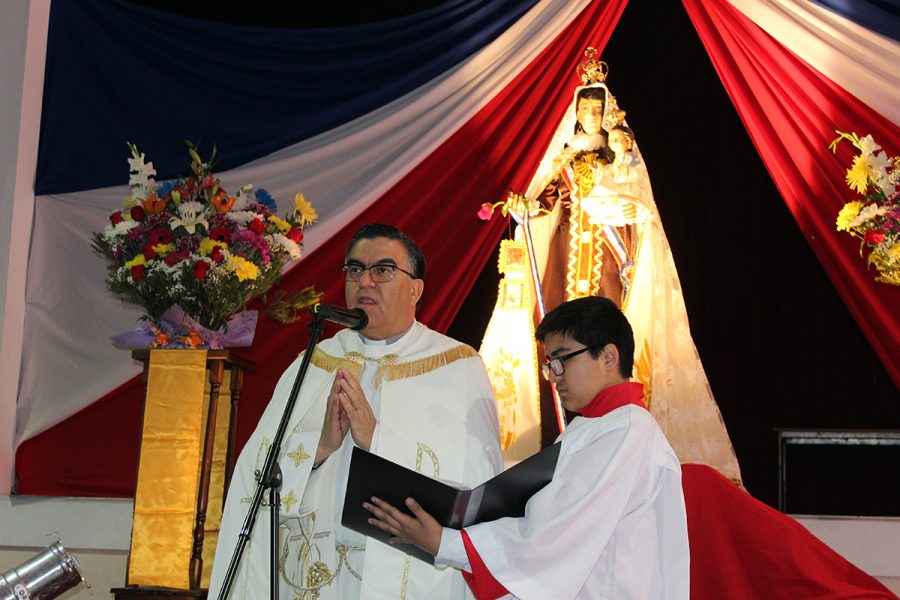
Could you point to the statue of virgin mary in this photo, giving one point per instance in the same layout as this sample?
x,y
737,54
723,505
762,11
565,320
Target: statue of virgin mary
x,y
598,232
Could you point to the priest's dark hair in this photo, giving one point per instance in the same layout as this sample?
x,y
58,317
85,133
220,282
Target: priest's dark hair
x,y
378,230
594,322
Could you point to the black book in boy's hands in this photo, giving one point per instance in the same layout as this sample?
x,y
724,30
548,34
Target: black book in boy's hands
x,y
502,496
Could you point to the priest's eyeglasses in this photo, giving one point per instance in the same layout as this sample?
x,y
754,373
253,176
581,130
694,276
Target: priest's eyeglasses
x,y
557,365
379,272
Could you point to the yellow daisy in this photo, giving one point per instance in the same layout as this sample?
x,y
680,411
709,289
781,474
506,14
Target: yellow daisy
x,y
163,249
207,245
243,268
858,174
137,260
847,214
304,210
282,225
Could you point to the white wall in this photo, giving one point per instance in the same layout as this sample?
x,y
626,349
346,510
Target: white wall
x,y
23,44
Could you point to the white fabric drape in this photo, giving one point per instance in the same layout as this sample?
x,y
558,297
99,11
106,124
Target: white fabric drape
x,y
857,59
67,359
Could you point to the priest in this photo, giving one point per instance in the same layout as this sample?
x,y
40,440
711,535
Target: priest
x,y
395,388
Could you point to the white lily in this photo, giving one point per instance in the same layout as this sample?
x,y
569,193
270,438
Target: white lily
x,y
190,214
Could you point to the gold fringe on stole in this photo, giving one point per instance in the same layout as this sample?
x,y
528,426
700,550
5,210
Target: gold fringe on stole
x,y
166,495
388,367
389,370
353,362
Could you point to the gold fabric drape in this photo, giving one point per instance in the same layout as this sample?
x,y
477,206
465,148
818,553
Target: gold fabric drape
x,y
165,504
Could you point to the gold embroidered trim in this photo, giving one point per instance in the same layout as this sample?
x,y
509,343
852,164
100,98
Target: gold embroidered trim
x,y
389,369
404,582
353,362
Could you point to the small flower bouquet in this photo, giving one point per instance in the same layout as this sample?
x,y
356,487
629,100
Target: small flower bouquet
x,y
192,255
875,219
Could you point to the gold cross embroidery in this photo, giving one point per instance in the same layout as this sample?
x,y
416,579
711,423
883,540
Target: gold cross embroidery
x,y
289,500
299,455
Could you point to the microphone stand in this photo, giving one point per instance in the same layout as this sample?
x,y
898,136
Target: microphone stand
x,y
269,478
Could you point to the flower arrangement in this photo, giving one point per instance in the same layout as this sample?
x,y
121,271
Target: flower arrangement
x,y
875,219
187,244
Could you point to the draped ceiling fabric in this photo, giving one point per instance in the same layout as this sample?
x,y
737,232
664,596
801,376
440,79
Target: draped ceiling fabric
x,y
414,121
459,135
796,72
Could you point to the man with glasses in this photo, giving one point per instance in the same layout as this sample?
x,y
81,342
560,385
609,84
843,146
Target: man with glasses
x,y
611,523
395,388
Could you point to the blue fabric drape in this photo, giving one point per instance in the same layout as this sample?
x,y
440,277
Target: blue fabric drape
x,y
118,72
881,16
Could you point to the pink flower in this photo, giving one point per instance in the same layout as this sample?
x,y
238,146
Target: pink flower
x,y
874,237
486,212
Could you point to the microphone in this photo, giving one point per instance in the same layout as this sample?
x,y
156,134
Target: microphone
x,y
354,318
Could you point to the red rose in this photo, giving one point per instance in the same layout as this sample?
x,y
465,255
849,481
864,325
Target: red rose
x,y
295,235
874,237
486,212
200,269
149,252
138,272
116,218
216,254
138,213
256,226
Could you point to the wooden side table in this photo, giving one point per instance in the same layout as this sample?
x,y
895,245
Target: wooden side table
x,y
217,362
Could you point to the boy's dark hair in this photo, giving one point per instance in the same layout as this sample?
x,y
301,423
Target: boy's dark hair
x,y
594,322
377,230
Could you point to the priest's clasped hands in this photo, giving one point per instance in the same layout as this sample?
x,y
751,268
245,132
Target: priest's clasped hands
x,y
347,410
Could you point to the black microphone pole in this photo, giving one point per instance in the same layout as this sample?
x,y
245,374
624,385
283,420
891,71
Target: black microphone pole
x,y
270,478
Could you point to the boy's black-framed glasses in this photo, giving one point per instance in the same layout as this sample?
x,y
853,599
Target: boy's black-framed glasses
x,y
557,365
379,272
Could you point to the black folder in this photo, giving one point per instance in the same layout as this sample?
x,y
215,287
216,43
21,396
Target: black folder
x,y
502,496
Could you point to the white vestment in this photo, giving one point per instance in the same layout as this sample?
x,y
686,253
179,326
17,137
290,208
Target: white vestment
x,y
611,523
436,414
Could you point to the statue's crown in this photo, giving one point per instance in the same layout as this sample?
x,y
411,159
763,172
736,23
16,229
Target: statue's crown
x,y
591,69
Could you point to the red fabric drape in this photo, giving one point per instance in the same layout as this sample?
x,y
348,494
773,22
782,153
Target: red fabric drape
x,y
742,548
435,203
791,112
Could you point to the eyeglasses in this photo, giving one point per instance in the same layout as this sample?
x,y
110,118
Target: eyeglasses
x,y
379,272
557,365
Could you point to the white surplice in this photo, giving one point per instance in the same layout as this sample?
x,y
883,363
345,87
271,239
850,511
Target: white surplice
x,y
436,414
611,523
